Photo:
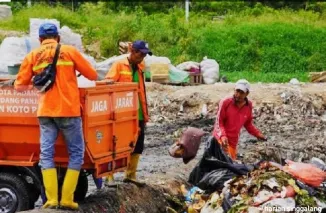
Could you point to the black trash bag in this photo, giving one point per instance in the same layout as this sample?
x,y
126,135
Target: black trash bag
x,y
311,191
215,179
215,168
239,169
227,202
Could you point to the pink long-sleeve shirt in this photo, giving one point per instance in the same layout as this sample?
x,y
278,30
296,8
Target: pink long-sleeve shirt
x,y
230,119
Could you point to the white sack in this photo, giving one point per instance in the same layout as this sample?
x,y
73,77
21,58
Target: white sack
x,y
5,11
188,65
14,49
67,36
209,70
35,23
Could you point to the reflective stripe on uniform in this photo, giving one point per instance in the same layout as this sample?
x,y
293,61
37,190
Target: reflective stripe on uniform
x,y
43,65
125,73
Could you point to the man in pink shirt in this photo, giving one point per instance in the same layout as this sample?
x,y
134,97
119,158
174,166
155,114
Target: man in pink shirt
x,y
233,114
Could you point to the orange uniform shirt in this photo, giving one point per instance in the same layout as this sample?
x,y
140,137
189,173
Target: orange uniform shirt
x,y
121,71
62,100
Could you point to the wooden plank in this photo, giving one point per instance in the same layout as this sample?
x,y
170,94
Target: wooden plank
x,y
159,72
317,76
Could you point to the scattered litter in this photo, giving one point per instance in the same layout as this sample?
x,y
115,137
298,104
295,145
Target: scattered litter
x,y
307,173
261,189
271,183
294,81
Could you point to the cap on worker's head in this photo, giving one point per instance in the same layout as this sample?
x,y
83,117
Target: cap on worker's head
x,y
142,46
242,85
48,29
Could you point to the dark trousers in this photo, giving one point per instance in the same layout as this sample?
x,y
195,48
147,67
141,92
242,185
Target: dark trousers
x,y
141,138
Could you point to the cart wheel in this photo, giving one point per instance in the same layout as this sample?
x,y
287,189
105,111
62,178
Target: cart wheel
x,y
13,193
81,188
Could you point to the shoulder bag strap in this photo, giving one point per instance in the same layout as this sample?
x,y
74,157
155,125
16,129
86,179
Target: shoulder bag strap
x,y
55,59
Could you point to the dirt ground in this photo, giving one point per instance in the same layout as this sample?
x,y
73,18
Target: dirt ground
x,y
291,116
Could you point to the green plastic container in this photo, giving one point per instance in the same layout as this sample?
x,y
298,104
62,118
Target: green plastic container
x,y
13,70
147,74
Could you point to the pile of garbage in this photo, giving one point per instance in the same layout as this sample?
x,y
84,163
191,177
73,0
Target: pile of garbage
x,y
293,120
166,108
264,189
221,185
294,105
300,121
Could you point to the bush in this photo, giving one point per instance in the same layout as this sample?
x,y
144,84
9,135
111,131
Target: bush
x,y
256,39
1,38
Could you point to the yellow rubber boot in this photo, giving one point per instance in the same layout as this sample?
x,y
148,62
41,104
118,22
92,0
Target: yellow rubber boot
x,y
130,174
50,181
109,181
68,189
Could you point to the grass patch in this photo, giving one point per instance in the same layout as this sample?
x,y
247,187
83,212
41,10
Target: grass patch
x,y
255,77
1,38
261,43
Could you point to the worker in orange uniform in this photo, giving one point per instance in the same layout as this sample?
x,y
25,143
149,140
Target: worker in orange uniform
x,y
131,70
58,109
234,113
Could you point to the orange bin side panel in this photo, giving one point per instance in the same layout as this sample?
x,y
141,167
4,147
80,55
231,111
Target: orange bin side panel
x,y
110,126
124,140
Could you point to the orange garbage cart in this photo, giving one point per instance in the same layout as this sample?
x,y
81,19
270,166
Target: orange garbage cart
x,y
110,126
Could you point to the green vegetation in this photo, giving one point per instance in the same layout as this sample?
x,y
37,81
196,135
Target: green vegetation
x,y
1,38
265,77
254,42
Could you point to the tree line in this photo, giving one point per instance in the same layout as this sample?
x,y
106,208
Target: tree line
x,y
150,6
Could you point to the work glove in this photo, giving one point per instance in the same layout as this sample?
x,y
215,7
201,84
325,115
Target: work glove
x,y
7,83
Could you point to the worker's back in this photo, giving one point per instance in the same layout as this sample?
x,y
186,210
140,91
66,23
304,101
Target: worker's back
x,y
62,100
